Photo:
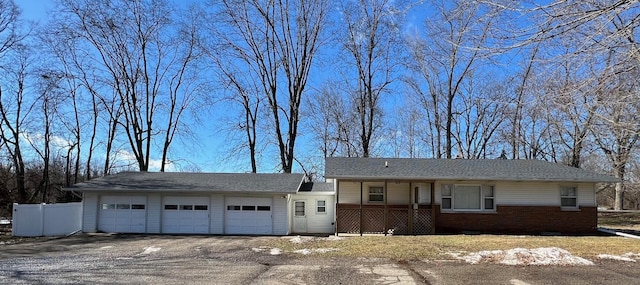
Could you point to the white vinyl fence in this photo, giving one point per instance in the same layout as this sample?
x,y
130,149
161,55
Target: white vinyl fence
x,y
30,220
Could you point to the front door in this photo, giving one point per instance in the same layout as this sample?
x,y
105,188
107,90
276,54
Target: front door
x,y
300,216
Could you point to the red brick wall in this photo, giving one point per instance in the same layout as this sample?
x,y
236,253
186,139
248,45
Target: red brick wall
x,y
520,219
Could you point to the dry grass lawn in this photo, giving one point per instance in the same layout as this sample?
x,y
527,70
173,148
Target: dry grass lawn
x,y
438,246
619,220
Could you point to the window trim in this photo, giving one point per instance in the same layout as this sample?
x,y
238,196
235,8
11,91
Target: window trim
x,y
575,196
304,208
375,194
324,211
482,198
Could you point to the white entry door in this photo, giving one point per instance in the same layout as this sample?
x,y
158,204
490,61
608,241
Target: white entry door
x,y
185,215
248,216
122,214
300,216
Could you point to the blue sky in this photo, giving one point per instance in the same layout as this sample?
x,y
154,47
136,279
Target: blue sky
x,y
209,148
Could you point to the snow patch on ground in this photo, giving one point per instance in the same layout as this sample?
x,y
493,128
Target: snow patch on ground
x,y
272,251
8,242
149,250
107,247
523,256
629,256
259,249
304,239
307,251
300,239
275,251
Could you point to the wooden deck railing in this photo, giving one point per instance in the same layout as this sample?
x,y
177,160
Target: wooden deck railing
x,y
392,219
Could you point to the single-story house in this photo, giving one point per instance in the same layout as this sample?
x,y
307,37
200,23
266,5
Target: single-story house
x,y
421,196
361,195
206,203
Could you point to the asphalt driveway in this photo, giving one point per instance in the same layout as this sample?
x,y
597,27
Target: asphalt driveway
x,y
139,259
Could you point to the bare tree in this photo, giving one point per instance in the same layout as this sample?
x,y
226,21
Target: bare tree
x,y
371,45
13,105
482,113
144,56
331,122
617,129
445,60
14,109
273,37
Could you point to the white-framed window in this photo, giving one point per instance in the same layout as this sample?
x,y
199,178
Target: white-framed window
x,y
299,209
568,196
467,197
321,207
376,194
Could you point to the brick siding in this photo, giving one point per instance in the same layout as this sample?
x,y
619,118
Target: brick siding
x,y
520,219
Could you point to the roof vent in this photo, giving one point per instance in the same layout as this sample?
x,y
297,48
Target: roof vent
x,y
386,163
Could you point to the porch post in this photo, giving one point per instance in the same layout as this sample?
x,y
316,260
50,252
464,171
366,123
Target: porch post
x,y
433,207
386,222
410,225
335,209
360,226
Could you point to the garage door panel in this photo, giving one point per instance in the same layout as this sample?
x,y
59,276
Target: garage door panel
x,y
185,214
248,215
122,214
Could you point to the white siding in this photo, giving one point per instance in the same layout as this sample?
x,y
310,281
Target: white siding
x,y
280,216
317,222
217,214
586,194
154,205
528,193
398,193
89,212
349,192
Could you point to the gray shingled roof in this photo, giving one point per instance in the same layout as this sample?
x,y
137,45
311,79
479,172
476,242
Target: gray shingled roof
x,y
194,182
458,169
316,187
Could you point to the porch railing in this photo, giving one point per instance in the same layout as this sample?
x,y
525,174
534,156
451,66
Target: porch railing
x,y
394,219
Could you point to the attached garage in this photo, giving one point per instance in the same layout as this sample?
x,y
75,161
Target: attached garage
x,y
122,214
189,203
248,215
185,215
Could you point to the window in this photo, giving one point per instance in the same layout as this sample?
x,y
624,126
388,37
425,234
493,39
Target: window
x,y
422,194
108,206
568,198
487,194
186,207
123,206
233,208
170,207
137,207
321,207
376,194
299,209
446,196
264,208
200,207
248,208
467,197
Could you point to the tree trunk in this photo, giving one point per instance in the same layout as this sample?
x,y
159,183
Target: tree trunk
x,y
619,201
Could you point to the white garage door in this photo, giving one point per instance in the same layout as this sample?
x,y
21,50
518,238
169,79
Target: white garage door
x,y
248,215
122,214
185,215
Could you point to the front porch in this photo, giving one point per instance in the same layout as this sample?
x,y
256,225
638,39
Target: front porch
x,y
385,207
